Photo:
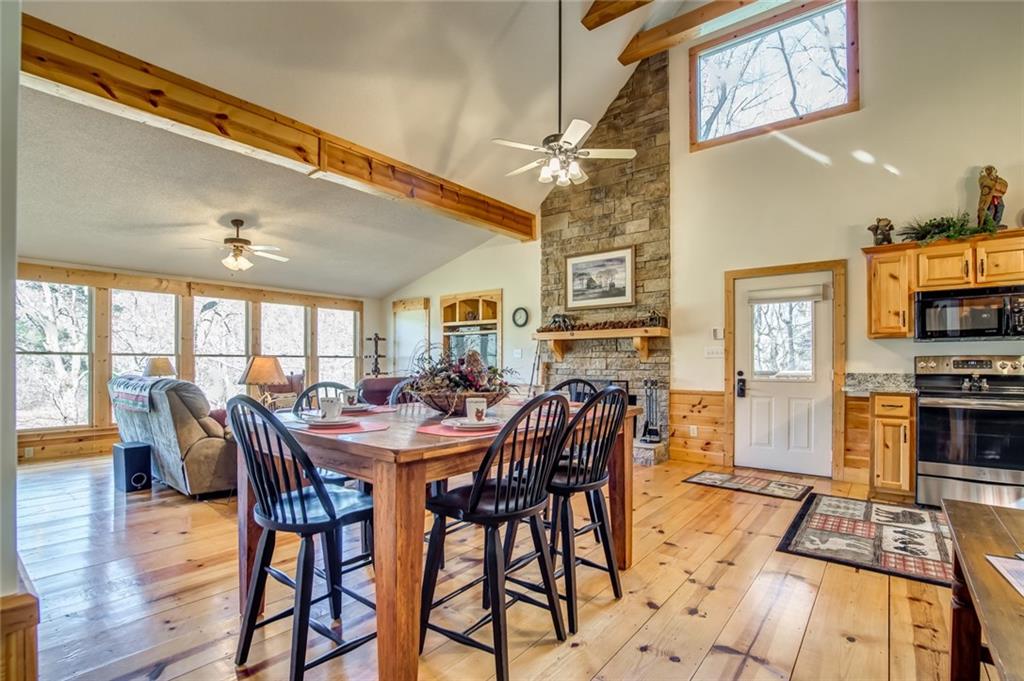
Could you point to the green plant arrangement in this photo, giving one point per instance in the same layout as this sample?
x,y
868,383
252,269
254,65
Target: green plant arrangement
x,y
443,382
946,227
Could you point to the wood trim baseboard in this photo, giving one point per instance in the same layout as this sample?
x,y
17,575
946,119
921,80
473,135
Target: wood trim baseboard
x,y
839,323
19,619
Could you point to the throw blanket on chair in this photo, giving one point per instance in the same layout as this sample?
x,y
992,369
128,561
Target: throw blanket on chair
x,y
131,393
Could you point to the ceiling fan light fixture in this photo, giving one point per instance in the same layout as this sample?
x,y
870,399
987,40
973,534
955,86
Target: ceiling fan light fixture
x,y
236,263
563,179
555,164
575,172
546,176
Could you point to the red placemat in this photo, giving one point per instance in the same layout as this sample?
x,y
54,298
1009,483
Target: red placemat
x,y
438,429
351,429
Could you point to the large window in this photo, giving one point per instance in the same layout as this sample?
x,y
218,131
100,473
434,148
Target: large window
x,y
52,337
221,347
779,73
336,332
283,334
141,325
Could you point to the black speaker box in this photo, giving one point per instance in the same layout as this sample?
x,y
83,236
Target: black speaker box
x,y
131,466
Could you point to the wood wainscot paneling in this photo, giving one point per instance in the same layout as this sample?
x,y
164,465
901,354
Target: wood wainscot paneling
x,y
704,409
60,443
857,450
19,618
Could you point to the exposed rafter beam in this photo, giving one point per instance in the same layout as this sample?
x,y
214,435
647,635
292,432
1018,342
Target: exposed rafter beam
x,y
76,68
604,11
676,30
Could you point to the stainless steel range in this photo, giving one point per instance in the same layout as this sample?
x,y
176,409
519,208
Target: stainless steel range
x,y
970,429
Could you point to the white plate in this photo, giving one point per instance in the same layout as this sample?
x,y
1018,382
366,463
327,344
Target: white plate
x,y
317,421
357,407
463,423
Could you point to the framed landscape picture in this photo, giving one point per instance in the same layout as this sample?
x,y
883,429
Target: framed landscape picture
x,y
599,279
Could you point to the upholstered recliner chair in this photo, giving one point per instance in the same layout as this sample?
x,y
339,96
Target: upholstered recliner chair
x,y
190,450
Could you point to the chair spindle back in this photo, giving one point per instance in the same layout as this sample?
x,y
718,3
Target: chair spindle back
x,y
590,436
580,390
310,397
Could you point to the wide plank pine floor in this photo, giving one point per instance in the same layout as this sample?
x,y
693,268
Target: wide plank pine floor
x,y
145,586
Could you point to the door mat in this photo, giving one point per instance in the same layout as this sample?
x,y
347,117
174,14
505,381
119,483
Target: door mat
x,y
894,540
749,483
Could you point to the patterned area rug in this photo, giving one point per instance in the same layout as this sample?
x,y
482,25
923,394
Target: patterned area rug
x,y
896,540
749,483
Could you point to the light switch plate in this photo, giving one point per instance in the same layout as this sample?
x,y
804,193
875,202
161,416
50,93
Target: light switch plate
x,y
714,352
517,353
694,432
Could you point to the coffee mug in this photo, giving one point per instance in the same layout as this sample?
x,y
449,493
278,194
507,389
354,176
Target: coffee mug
x,y
331,407
351,397
476,408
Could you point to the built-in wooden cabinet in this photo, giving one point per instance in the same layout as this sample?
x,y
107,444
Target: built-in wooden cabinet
x,y
897,271
472,321
891,473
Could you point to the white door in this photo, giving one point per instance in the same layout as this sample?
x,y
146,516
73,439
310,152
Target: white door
x,y
783,350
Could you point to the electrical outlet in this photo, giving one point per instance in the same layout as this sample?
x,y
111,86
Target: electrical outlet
x,y
694,432
714,352
29,452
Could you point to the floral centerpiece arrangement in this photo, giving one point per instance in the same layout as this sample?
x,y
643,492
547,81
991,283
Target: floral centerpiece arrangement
x,y
444,382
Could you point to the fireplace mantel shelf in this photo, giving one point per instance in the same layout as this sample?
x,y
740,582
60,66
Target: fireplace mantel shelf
x,y
559,341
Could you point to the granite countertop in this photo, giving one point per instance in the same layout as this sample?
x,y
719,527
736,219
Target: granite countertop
x,y
862,385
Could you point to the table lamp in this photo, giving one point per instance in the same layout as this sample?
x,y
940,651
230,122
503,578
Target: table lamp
x,y
158,366
261,371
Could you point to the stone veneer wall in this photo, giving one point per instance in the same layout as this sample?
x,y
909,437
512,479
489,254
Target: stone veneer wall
x,y
622,204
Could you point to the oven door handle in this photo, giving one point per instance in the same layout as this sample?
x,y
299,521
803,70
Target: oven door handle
x,y
963,403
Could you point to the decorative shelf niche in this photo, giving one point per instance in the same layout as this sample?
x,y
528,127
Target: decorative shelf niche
x,y
561,341
472,321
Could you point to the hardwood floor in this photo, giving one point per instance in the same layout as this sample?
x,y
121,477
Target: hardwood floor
x,y
145,586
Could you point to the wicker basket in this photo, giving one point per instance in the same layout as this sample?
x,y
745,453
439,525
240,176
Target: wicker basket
x,y
454,404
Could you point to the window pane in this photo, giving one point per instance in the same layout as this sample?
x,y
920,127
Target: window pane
x,y
218,378
336,332
143,323
786,71
283,329
338,369
292,365
134,364
51,317
220,326
52,391
784,339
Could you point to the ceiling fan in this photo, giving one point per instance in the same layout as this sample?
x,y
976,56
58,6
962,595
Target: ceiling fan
x,y
236,260
562,155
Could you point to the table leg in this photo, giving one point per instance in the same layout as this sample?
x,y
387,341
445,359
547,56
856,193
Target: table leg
x,y
965,631
620,494
399,499
248,533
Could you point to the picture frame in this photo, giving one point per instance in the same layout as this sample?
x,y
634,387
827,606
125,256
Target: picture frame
x,y
602,279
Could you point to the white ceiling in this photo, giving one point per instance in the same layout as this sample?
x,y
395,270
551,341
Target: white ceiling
x,y
98,189
427,82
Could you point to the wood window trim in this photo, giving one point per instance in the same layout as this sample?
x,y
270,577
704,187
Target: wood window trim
x,y
852,69
838,270
101,281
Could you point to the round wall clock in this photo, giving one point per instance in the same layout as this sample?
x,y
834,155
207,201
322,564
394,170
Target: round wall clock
x,y
520,316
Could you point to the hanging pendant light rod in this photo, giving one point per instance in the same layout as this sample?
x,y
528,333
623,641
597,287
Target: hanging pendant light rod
x,y
559,128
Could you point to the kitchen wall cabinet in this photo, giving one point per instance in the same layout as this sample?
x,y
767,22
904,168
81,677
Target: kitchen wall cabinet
x,y
892,470
999,261
889,296
945,266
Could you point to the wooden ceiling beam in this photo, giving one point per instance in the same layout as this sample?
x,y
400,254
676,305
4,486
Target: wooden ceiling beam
x,y
605,11
68,65
676,30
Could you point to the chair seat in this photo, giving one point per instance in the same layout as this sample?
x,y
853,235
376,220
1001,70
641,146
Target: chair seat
x,y
332,477
455,504
350,506
560,481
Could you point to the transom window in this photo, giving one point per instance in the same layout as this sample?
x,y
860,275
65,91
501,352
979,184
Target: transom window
x,y
336,345
221,347
142,325
52,339
783,340
796,67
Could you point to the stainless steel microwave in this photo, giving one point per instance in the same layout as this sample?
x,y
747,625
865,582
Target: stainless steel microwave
x,y
964,314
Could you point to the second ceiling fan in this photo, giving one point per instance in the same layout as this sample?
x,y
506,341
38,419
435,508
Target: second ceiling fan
x,y
562,155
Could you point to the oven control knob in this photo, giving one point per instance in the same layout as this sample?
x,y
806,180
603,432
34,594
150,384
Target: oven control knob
x,y
922,365
1015,366
1004,365
932,364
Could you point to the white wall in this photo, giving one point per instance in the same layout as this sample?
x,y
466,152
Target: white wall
x,y
942,94
499,263
10,64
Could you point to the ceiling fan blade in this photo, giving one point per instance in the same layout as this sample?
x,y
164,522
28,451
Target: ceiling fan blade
x,y
270,256
607,153
518,145
258,247
581,179
529,166
219,242
574,133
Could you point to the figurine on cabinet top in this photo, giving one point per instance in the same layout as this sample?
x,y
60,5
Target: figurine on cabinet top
x,y
990,201
882,229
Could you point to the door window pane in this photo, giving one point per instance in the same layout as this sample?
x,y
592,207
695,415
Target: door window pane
x,y
783,340
142,325
52,332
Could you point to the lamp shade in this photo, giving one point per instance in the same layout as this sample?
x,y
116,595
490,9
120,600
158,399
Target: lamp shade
x,y
263,370
158,366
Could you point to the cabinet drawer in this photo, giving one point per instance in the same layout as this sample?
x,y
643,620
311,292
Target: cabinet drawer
x,y
891,405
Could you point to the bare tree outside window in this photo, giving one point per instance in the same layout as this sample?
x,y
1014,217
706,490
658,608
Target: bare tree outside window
x,y
221,347
336,345
783,340
786,71
142,325
52,331
283,334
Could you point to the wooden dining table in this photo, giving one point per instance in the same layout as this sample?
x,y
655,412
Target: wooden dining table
x,y
400,461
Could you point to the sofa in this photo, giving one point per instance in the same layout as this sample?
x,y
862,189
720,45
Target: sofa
x,y
191,451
